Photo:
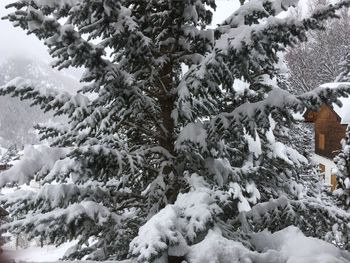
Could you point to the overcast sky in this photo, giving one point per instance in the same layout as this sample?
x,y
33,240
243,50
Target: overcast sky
x,y
15,41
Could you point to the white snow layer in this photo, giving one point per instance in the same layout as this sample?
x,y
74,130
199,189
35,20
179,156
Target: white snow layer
x,y
295,247
344,111
171,228
34,159
288,246
282,151
175,228
49,253
55,3
192,132
330,167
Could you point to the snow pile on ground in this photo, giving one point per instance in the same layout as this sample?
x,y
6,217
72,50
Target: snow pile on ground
x,y
286,246
49,253
289,245
187,228
45,254
221,250
297,248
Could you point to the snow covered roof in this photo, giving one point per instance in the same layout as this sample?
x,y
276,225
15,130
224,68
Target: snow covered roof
x,y
344,111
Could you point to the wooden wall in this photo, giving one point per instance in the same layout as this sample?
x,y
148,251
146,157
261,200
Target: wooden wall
x,y
328,124
4,167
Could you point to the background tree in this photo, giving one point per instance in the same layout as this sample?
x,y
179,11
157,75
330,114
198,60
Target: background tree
x,y
316,61
9,155
342,191
17,117
343,158
343,163
154,158
344,75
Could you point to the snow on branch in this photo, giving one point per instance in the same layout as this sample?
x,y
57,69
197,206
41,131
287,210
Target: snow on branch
x,y
32,163
200,89
63,40
178,225
249,114
258,9
48,99
60,219
282,212
287,245
47,3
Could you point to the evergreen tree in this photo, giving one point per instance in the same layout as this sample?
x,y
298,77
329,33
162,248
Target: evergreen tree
x,y
9,155
344,75
343,163
154,157
316,61
342,191
343,157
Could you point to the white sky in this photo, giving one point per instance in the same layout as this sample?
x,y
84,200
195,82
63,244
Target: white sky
x,y
14,41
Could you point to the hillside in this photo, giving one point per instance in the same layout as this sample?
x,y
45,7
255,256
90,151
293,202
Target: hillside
x,y
18,117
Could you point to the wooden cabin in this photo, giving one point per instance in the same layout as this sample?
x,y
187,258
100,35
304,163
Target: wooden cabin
x,y
4,167
330,124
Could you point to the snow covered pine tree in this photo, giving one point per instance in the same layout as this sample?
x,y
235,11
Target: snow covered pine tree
x,y
343,163
343,158
173,142
9,155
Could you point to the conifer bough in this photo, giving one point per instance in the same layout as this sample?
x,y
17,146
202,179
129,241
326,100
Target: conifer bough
x,y
175,132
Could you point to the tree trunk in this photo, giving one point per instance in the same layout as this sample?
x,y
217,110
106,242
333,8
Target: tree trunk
x,y
166,101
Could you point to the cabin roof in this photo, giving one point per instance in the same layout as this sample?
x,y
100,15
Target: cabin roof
x,y
344,111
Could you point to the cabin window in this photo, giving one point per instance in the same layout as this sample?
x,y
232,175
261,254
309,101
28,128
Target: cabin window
x,y
322,168
321,141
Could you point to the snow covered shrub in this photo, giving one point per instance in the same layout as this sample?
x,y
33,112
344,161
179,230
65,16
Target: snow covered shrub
x,y
156,159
